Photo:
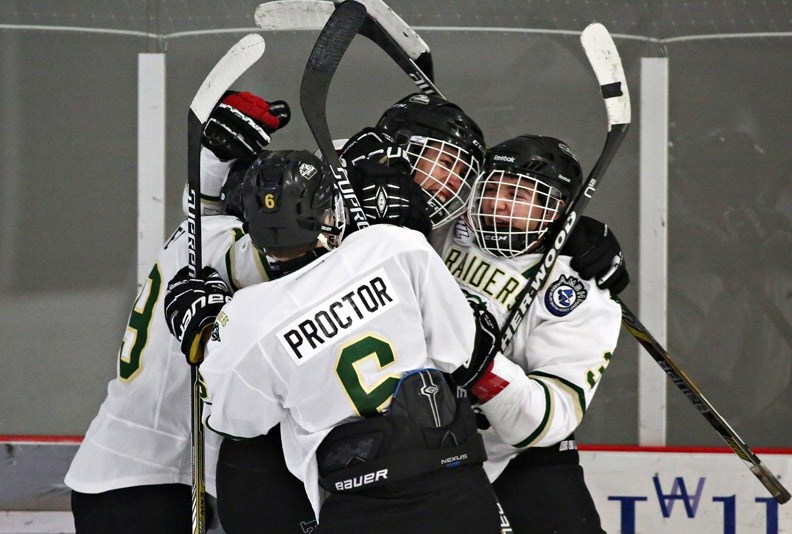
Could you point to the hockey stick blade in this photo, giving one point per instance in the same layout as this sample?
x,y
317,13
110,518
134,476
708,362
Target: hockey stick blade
x,y
236,61
394,25
389,31
293,15
702,405
313,15
373,31
607,68
333,41
604,58
382,26
231,66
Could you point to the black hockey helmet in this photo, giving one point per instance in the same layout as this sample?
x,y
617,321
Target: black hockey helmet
x,y
526,183
445,147
231,192
290,202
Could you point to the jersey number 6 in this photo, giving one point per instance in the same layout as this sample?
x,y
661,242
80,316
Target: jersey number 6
x,y
367,400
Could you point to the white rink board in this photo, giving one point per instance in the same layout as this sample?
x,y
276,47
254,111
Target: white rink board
x,y
685,492
631,489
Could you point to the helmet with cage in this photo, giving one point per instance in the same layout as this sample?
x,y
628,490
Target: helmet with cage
x,y
525,185
445,147
290,203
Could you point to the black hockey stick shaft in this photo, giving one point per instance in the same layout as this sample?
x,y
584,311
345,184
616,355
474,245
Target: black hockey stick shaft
x,y
194,129
700,402
605,61
236,61
332,43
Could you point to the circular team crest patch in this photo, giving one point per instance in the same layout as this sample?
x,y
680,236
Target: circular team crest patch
x,y
564,295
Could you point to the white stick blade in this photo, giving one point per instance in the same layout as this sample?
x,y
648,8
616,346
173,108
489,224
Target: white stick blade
x,y
606,63
236,61
293,14
395,26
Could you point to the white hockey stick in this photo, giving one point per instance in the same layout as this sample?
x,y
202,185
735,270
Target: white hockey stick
x,y
604,59
382,26
235,62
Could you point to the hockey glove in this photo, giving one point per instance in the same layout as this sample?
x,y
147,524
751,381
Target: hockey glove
x,y
477,376
378,146
388,196
240,126
191,306
596,253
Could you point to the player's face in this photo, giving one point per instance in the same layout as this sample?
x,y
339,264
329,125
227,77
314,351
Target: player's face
x,y
512,202
440,169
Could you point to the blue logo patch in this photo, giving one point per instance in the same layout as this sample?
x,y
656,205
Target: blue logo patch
x,y
564,295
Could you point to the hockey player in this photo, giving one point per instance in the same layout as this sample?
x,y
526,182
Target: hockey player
x,y
342,354
432,140
535,393
251,473
132,472
442,148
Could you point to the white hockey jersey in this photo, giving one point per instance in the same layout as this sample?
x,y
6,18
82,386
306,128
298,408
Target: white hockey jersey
x,y
560,349
328,343
141,434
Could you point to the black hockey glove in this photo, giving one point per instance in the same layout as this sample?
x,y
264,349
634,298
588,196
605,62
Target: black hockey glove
x,y
191,306
240,126
596,253
389,196
486,346
378,146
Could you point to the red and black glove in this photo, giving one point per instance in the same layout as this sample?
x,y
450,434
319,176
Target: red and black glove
x,y
240,126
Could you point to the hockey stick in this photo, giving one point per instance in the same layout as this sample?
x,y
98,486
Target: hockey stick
x,y
333,41
236,61
388,31
604,59
694,395
382,26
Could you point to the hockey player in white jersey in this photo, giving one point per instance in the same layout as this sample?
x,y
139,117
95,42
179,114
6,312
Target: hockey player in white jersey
x,y
442,148
431,139
249,475
132,472
330,352
535,394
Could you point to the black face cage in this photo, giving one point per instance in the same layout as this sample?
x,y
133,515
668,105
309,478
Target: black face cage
x,y
511,213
